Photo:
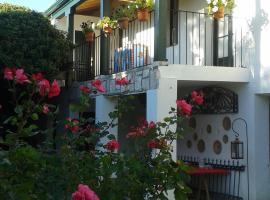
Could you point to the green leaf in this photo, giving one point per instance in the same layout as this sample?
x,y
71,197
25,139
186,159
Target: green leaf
x,y
34,116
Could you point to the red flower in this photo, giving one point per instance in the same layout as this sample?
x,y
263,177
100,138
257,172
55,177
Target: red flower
x,y
45,109
72,125
21,77
112,145
184,106
152,144
98,85
44,87
157,144
84,89
84,193
152,125
55,89
196,97
122,81
8,74
37,76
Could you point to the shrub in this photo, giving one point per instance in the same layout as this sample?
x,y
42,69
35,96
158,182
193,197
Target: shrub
x,y
28,40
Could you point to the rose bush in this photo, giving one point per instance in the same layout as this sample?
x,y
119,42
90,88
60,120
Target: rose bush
x,y
87,153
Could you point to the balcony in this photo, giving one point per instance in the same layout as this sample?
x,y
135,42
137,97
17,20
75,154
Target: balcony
x,y
195,39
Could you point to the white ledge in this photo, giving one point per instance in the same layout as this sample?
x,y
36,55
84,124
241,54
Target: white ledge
x,y
205,73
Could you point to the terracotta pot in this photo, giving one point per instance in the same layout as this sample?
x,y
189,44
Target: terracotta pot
x,y
107,30
143,14
123,22
89,36
220,13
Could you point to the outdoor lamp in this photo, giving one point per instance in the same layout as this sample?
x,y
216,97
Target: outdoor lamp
x,y
237,149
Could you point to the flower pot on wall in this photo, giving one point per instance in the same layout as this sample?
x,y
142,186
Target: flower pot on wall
x,y
123,22
143,14
220,13
107,30
89,36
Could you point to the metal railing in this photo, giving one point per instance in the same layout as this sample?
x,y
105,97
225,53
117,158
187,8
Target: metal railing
x,y
221,187
199,39
128,49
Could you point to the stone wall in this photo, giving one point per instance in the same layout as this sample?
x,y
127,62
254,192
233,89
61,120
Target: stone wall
x,y
141,79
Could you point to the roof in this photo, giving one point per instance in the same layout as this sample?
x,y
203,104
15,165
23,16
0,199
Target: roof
x,y
57,5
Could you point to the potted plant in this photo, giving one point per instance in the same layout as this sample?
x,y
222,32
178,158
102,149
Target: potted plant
x,y
107,25
143,7
123,14
88,30
217,7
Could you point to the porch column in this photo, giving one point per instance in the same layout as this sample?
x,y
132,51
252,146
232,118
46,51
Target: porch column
x,y
105,105
105,10
70,23
161,21
159,102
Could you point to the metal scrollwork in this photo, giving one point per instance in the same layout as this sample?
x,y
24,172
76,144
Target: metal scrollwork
x,y
218,100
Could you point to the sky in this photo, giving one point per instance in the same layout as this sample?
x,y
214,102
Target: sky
x,y
38,5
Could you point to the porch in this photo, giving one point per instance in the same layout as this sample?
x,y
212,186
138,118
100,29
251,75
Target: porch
x,y
192,39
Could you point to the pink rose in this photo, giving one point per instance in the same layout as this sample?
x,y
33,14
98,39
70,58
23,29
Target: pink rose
x,y
122,81
84,89
184,107
45,109
98,85
84,193
112,145
37,76
55,89
8,74
21,77
44,87
152,125
196,97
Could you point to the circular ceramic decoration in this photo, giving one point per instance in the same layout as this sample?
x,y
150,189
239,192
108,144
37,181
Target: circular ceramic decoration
x,y
195,136
227,123
225,139
209,128
217,147
201,146
192,122
189,144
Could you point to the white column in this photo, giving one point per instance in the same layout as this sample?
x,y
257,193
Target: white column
x,y
158,104
105,105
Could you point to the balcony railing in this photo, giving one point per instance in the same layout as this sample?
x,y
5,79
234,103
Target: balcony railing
x,y
199,39
196,39
128,49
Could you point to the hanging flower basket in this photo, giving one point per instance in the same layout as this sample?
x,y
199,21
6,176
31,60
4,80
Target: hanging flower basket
x,y
89,36
143,14
220,13
123,22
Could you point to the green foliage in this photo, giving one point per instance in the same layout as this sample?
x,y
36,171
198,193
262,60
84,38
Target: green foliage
x,y
87,27
123,11
29,41
107,22
213,5
144,4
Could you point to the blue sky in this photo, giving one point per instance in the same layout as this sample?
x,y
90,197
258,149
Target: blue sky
x,y
38,5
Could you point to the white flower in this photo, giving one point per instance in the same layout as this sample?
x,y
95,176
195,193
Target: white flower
x,y
209,1
215,2
224,2
215,9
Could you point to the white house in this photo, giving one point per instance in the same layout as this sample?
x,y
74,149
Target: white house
x,y
180,49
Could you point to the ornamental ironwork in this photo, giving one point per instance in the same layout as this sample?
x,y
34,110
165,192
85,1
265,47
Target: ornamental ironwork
x,y
217,100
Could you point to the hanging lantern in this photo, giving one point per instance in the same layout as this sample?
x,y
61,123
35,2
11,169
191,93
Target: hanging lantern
x,y
237,149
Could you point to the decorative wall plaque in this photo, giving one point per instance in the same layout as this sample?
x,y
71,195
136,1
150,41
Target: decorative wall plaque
x,y
201,146
227,123
192,122
189,144
225,139
217,147
209,128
